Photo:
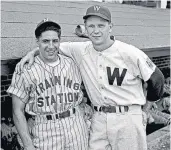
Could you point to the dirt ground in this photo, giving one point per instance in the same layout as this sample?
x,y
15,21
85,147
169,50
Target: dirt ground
x,y
162,143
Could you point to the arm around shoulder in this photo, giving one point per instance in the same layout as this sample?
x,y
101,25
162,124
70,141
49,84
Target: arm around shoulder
x,y
29,58
73,49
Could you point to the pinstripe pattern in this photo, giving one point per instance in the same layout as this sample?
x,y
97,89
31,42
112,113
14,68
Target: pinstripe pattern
x,y
69,133
48,90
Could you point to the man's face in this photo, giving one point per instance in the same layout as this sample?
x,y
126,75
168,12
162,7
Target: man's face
x,y
98,30
49,45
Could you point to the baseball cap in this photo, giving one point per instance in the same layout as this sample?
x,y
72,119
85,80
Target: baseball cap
x,y
45,23
100,11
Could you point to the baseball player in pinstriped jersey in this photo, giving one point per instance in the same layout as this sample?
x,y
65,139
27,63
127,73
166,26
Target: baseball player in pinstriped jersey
x,y
50,92
113,73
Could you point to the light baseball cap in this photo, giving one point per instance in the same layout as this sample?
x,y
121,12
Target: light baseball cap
x,y
45,23
100,11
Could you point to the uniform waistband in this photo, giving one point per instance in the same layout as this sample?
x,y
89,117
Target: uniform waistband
x,y
43,118
118,109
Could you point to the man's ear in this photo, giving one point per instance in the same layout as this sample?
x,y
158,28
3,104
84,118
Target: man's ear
x,y
37,41
111,26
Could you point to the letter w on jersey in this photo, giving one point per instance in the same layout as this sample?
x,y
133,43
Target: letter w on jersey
x,y
115,74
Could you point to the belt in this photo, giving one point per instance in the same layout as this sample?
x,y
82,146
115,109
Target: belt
x,y
57,116
112,109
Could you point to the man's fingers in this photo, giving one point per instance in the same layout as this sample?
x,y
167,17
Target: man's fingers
x,y
22,65
154,105
30,62
17,69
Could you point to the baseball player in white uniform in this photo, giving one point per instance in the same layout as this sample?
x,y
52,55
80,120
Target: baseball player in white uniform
x,y
113,73
50,92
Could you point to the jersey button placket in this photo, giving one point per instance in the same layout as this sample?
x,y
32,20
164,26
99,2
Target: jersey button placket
x,y
99,67
100,71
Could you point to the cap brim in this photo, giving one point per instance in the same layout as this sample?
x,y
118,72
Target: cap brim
x,y
96,14
47,23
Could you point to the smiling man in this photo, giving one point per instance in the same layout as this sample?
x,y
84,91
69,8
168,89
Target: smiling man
x,y
113,73
50,92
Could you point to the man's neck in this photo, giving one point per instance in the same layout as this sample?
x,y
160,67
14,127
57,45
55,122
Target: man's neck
x,y
103,47
49,61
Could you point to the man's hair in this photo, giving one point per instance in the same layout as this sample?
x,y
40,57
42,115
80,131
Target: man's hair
x,y
49,28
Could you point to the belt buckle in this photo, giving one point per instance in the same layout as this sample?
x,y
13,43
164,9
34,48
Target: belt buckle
x,y
64,114
110,109
126,108
61,115
57,116
49,117
106,109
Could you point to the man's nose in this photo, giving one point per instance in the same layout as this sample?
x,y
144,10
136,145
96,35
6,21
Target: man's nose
x,y
51,45
96,30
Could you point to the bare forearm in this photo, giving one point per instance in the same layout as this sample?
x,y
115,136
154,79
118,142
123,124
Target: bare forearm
x,y
35,51
22,128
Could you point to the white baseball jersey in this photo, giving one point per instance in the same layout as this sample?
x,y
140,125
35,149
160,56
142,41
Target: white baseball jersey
x,y
48,89
113,76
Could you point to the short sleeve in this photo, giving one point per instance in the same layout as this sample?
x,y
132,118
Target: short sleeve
x,y
18,87
145,65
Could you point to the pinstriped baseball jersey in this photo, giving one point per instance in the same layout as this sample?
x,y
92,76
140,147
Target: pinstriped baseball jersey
x,y
48,89
113,76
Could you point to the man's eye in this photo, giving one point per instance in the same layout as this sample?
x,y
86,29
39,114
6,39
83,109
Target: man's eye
x,y
91,26
55,41
45,41
101,26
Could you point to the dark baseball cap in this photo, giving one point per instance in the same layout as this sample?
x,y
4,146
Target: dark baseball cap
x,y
45,23
100,11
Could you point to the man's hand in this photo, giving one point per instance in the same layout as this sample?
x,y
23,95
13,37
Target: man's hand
x,y
5,131
29,58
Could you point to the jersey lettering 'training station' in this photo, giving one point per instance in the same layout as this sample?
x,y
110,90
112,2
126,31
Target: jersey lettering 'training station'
x,y
62,97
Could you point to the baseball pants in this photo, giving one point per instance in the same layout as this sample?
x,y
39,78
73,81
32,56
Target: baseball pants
x,y
118,131
68,133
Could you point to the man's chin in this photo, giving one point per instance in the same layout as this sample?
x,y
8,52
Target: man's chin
x,y
97,42
52,58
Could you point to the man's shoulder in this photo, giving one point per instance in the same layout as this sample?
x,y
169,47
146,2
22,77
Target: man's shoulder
x,y
62,57
67,60
25,67
127,49
125,46
32,67
129,52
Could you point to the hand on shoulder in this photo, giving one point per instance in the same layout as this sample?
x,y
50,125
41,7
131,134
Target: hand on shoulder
x,y
28,59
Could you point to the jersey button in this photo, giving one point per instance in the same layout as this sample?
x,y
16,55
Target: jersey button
x,y
102,87
100,54
100,66
105,97
100,77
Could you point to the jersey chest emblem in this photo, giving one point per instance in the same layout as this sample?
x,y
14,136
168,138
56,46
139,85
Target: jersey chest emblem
x,y
115,74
